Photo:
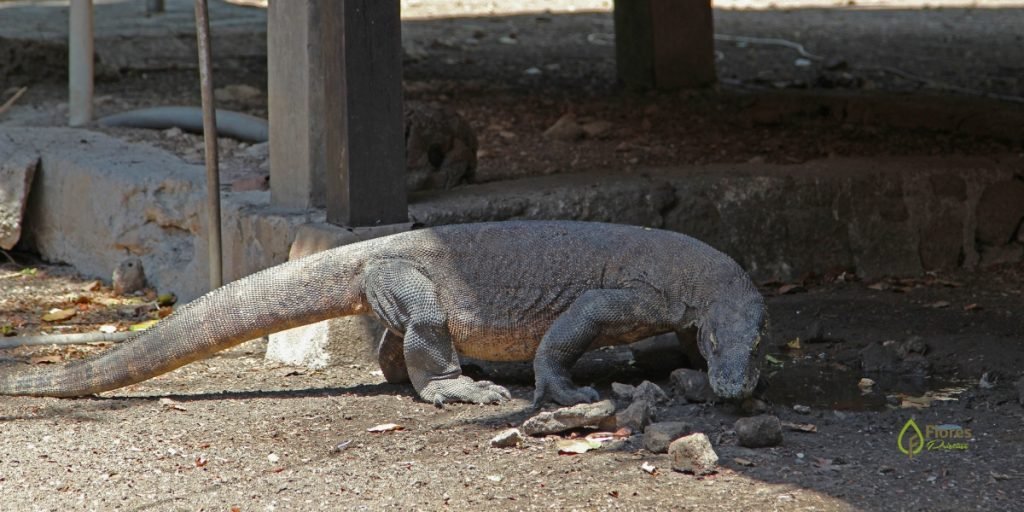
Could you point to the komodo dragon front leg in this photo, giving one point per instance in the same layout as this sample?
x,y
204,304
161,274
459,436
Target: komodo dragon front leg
x,y
595,313
406,301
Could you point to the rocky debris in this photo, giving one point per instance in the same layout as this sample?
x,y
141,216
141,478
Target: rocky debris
x,y
755,406
649,392
802,409
693,454
693,385
638,415
129,276
567,418
1020,390
905,358
565,129
999,213
658,436
16,173
623,391
511,438
440,148
759,431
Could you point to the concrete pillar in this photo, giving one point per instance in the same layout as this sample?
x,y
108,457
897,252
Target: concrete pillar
x,y
665,44
335,98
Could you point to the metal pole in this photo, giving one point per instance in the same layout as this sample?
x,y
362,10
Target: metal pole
x,y
210,138
80,60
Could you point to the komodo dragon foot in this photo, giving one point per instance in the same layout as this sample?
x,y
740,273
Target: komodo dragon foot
x,y
463,389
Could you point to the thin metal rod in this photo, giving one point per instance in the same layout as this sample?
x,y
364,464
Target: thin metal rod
x,y
80,62
210,138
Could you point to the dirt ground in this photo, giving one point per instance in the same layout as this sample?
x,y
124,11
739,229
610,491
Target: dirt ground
x,y
237,432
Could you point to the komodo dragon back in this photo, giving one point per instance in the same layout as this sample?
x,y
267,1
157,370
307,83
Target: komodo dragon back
x,y
544,291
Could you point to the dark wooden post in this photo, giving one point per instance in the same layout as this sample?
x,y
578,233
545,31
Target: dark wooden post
x,y
665,44
335,101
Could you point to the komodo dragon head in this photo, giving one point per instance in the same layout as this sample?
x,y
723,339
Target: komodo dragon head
x,y
731,340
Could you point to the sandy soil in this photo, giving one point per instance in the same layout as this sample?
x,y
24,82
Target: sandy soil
x,y
236,431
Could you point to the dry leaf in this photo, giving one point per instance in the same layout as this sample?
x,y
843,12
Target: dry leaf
x,y
142,326
939,304
793,344
108,329
865,384
576,446
201,461
59,315
880,286
971,307
385,427
743,462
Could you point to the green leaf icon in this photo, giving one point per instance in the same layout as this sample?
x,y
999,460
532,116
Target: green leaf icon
x,y
913,444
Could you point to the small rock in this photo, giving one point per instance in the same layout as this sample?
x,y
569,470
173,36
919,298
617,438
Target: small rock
x,y
623,391
567,418
802,409
173,132
693,454
260,151
693,385
1020,390
880,358
649,392
637,416
251,183
759,431
129,277
596,129
657,436
16,174
511,438
566,128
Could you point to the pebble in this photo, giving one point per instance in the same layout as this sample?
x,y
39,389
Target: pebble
x,y
693,385
649,392
511,438
693,454
759,431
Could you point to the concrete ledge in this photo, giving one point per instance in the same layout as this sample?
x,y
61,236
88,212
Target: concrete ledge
x,y
96,199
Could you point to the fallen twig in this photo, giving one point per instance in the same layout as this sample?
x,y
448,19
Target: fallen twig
x,y
7,104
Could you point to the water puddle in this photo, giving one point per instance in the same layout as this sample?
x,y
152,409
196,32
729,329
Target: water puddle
x,y
830,386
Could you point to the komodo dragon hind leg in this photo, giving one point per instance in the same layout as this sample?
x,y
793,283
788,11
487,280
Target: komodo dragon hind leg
x,y
406,301
391,358
594,313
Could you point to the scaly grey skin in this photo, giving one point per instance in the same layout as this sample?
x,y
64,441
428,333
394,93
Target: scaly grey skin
x,y
544,291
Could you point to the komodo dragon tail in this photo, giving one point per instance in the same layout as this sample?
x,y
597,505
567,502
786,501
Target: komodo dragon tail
x,y
299,292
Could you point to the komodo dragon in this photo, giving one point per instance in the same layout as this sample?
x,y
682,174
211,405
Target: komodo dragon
x,y
501,291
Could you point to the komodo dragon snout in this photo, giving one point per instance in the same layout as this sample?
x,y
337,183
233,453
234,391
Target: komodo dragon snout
x,y
732,341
